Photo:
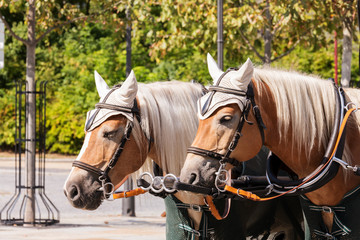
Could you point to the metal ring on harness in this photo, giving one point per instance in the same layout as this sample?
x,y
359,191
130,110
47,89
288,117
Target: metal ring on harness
x,y
170,175
151,179
159,188
238,193
351,103
220,181
105,192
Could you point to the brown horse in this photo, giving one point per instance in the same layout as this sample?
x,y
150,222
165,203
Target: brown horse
x,y
298,111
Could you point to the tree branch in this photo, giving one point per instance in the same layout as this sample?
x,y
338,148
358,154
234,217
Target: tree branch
x,y
287,52
12,33
293,47
251,46
74,20
59,26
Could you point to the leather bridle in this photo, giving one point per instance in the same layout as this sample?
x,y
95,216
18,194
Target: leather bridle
x,y
249,102
103,175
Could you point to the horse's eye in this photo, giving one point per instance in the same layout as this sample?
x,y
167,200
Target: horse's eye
x,y
225,119
109,134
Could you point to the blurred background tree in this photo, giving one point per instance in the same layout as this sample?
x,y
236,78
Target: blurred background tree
x,y
170,40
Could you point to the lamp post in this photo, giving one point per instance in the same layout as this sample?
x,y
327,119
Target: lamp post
x,y
220,38
128,206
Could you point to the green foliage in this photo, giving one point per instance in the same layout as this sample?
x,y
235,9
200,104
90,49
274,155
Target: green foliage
x,y
7,116
319,62
170,40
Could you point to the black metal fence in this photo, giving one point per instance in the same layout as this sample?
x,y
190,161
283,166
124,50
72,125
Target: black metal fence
x,y
14,210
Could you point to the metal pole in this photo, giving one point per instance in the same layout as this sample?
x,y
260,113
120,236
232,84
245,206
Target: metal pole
x,y
128,206
335,58
128,40
220,38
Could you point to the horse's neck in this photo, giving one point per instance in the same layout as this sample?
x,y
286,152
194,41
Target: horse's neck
x,y
283,146
296,158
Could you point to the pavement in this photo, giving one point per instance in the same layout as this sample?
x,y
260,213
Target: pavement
x,y
106,222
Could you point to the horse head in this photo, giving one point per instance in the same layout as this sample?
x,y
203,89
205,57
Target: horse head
x,y
109,142
221,111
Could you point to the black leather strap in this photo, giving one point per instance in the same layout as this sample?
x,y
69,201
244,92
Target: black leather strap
x,y
87,167
214,155
193,188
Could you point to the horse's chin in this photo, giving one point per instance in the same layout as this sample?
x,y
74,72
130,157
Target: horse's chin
x,y
82,190
206,180
89,202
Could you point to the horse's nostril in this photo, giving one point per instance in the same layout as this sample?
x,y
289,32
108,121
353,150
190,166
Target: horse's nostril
x,y
74,193
192,178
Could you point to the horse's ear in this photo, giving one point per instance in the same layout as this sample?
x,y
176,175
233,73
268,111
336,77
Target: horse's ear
x,y
243,75
127,92
214,70
101,85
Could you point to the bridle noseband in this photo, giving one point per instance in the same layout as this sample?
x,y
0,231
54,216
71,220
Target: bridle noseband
x,y
103,175
249,102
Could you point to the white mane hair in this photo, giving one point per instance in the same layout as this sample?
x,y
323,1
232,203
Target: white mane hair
x,y
308,103
169,119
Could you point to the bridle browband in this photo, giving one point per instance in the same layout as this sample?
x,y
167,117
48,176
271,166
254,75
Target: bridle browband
x,y
249,101
104,174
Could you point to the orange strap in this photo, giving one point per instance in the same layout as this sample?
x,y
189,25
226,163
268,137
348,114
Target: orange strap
x,y
130,193
245,194
213,208
254,197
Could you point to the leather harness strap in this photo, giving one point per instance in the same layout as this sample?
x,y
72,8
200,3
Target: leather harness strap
x,y
214,155
88,167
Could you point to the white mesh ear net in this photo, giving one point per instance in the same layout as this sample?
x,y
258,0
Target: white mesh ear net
x,y
211,101
97,116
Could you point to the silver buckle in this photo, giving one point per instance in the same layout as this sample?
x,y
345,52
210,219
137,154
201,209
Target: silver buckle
x,y
327,209
195,207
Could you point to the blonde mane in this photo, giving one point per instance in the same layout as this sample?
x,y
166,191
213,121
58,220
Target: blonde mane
x,y
168,115
305,104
